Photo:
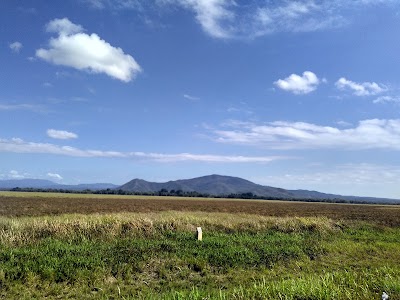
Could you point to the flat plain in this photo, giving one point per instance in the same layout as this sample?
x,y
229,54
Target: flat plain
x,y
74,246
14,204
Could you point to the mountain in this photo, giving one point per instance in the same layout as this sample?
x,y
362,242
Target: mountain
x,y
213,185
24,183
47,184
225,185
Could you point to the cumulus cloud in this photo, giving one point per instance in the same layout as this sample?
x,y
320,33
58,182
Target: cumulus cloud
x,y
61,134
15,47
368,134
17,145
55,176
360,89
74,48
296,84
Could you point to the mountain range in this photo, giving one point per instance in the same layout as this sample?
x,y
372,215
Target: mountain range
x,y
217,185
47,184
225,185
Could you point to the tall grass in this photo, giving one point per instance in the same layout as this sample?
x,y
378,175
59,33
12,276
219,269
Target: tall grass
x,y
156,256
16,231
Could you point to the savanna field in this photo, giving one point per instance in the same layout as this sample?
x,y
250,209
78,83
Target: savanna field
x,y
58,246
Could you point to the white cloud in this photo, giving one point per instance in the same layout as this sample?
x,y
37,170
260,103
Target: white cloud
x,y
296,84
63,27
387,99
81,51
17,145
344,123
191,98
47,84
211,14
368,134
360,89
61,134
296,16
15,175
205,158
23,106
228,19
115,4
15,47
54,176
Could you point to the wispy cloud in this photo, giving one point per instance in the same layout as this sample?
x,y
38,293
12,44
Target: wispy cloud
x,y
387,99
360,89
17,145
368,134
15,47
23,106
13,174
211,14
296,84
61,134
227,19
190,97
74,48
115,4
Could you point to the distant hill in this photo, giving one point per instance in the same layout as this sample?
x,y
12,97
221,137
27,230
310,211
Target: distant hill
x,y
212,185
24,183
47,184
219,185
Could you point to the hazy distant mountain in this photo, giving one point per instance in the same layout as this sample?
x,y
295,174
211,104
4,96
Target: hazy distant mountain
x,y
47,184
25,183
224,185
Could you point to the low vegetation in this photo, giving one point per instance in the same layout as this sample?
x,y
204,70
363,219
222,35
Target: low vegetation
x,y
155,255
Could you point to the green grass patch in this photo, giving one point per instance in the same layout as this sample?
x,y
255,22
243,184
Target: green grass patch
x,y
156,256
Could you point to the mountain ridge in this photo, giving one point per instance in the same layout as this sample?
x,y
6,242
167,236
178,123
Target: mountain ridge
x,y
48,184
220,185
214,185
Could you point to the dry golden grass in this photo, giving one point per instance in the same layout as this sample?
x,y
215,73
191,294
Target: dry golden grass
x,y
17,231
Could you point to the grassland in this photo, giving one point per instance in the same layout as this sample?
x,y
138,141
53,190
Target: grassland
x,y
136,248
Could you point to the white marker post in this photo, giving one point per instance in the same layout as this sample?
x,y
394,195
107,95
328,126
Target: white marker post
x,y
199,234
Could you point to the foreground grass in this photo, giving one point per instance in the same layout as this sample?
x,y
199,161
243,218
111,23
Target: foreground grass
x,y
155,256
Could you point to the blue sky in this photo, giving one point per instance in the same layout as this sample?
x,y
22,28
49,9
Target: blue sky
x,y
296,94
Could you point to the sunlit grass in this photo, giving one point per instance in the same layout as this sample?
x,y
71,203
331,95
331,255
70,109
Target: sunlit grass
x,y
156,256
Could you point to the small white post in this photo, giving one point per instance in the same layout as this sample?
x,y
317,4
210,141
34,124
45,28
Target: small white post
x,y
385,296
199,234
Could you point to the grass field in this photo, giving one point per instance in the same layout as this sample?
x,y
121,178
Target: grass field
x,y
107,247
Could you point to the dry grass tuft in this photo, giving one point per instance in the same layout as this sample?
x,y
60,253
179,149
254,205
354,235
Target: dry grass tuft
x,y
109,226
